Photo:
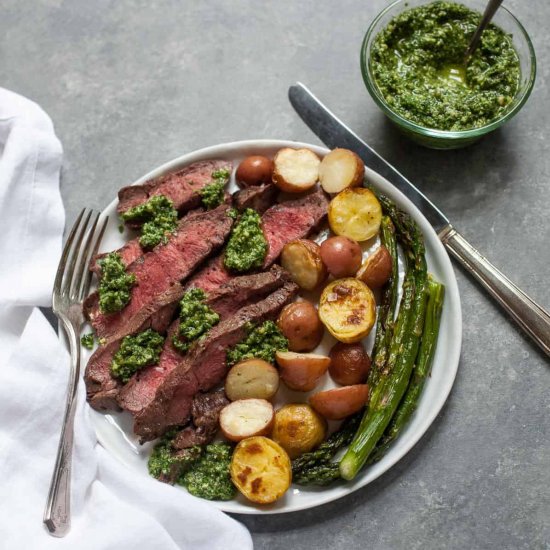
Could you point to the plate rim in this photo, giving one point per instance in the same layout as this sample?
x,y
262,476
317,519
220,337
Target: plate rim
x,y
229,150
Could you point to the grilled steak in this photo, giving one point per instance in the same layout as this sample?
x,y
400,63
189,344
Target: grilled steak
x,y
180,187
226,301
159,273
101,386
282,223
205,412
258,197
204,366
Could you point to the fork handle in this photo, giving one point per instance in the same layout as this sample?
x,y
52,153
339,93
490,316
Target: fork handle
x,y
57,515
531,317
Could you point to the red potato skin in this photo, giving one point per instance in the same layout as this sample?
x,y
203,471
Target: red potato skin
x,y
254,170
300,323
302,374
339,403
342,256
377,268
349,364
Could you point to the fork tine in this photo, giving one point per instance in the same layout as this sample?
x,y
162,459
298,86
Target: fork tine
x,y
67,285
65,254
87,279
82,264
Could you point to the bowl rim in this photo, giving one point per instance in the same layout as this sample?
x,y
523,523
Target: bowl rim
x,y
432,132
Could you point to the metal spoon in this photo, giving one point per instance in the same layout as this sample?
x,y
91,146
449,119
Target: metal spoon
x,y
492,7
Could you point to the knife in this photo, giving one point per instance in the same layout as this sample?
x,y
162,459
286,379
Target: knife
x,y
531,317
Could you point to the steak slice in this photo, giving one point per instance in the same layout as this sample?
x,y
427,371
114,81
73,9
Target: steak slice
x,y
282,223
205,412
226,301
159,273
102,387
258,197
204,366
180,187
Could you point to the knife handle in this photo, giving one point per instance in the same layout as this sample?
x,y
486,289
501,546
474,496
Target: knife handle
x,y
531,317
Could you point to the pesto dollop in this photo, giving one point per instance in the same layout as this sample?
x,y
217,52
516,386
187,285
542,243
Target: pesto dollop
x,y
136,352
159,219
163,460
212,194
196,319
115,284
261,342
247,246
418,65
87,340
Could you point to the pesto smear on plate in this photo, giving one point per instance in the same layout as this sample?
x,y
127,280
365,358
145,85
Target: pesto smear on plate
x,y
418,65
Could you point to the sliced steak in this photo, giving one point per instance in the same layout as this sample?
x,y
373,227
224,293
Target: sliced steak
x,y
159,273
180,187
204,366
290,220
226,301
102,387
205,412
282,223
129,253
258,197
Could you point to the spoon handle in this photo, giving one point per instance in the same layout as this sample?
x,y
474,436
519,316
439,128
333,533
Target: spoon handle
x,y
490,10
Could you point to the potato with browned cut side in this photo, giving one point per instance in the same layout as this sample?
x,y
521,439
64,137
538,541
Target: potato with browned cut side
x,y
340,169
339,403
347,309
302,259
298,429
260,469
295,170
246,418
301,371
252,378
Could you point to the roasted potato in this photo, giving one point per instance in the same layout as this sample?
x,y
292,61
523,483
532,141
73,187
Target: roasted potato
x,y
260,469
298,429
246,418
296,170
339,169
301,371
300,324
355,213
349,364
377,268
302,259
340,402
254,170
347,309
342,256
252,378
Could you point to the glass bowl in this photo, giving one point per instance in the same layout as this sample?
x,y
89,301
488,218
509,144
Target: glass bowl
x,y
442,139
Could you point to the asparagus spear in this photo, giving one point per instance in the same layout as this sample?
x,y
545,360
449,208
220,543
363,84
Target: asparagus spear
x,y
436,292
403,349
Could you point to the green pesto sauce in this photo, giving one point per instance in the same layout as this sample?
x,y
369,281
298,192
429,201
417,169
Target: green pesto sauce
x,y
163,459
417,62
261,343
136,352
209,477
87,340
159,219
196,319
115,284
212,195
247,246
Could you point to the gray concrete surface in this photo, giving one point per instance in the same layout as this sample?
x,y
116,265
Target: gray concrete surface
x,y
131,84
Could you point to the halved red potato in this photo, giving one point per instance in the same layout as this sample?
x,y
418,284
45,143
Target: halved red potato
x,y
296,170
340,402
339,169
301,371
302,259
253,378
246,418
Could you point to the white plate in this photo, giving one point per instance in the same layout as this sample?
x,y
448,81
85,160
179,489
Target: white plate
x,y
114,431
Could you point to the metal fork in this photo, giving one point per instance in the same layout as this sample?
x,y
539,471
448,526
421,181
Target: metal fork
x,y
72,284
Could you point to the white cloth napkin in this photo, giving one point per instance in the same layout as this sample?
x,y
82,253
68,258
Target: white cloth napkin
x,y
111,508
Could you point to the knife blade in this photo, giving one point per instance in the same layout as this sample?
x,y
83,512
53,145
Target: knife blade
x,y
530,316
